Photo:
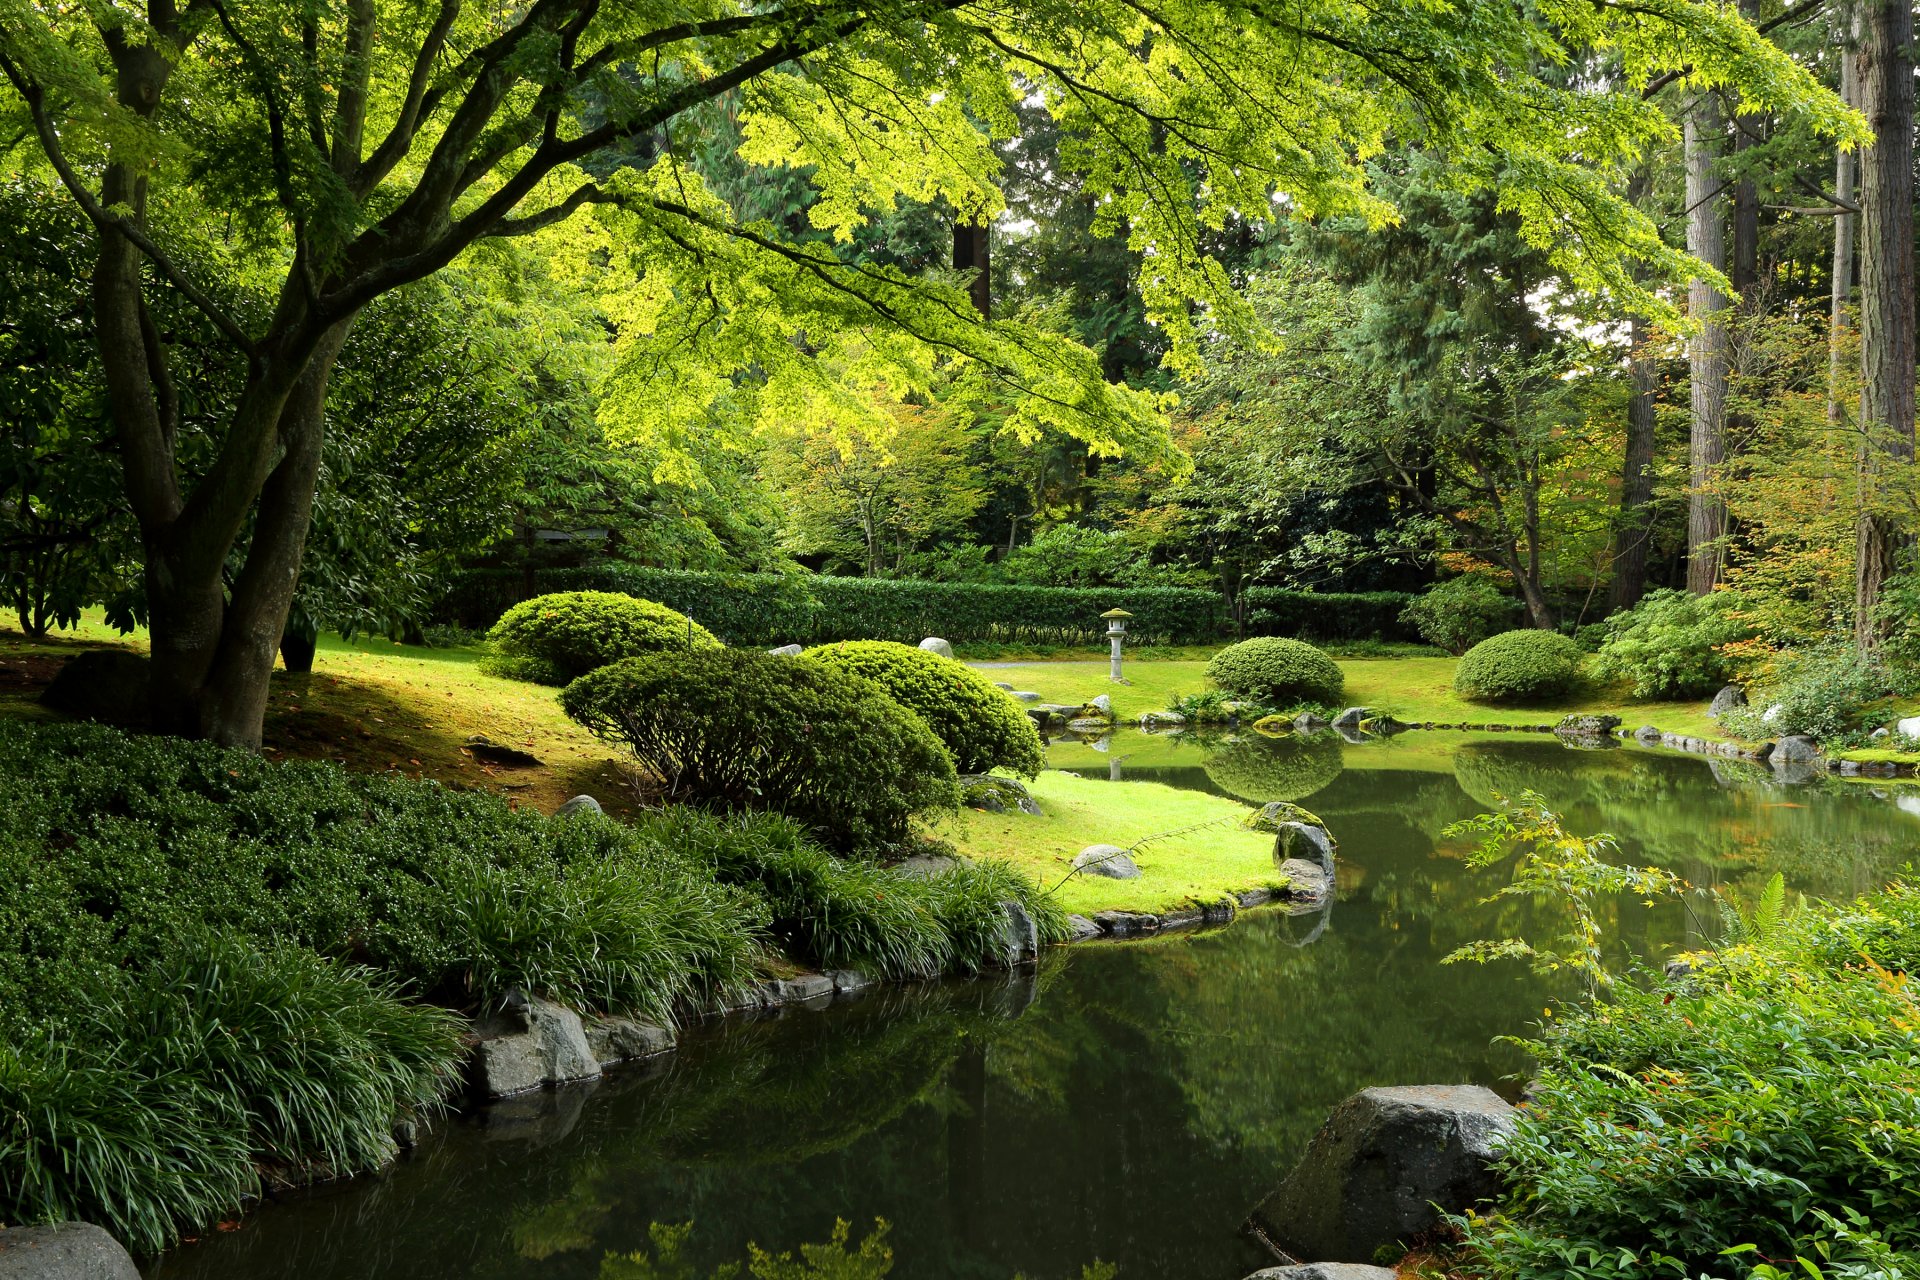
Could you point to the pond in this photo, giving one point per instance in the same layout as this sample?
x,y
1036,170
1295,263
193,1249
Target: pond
x,y
1128,1102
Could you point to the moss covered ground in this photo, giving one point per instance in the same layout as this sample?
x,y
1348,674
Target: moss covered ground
x,y
1206,852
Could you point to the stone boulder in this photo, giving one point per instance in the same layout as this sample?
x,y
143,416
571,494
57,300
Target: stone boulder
x,y
529,1043
1083,928
1908,728
934,644
1108,860
1325,1271
1307,721
1308,883
1730,698
63,1251
1153,720
108,685
579,804
1587,731
1795,748
1647,735
1372,1177
1002,684
991,793
786,651
1273,726
1305,842
1024,695
1271,817
614,1040
1351,718
1019,940
1099,705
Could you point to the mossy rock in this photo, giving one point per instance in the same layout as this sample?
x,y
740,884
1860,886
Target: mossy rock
x,y
1274,816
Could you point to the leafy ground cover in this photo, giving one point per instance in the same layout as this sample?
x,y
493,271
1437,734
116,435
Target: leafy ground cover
x,y
1203,851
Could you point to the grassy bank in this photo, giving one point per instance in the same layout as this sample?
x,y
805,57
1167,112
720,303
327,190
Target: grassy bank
x,y
1190,846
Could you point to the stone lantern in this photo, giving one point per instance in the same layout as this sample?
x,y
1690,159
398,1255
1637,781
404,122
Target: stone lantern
x,y
1116,632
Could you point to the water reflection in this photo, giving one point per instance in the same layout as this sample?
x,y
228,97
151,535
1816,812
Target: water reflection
x,y
1127,1102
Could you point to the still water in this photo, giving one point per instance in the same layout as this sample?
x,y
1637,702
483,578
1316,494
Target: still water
x,y
1127,1102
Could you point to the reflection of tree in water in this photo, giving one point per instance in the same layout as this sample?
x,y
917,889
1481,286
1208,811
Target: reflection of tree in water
x,y
1262,770
1713,822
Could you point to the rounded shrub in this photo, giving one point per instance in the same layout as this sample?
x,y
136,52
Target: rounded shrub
x,y
1261,770
1276,672
981,726
737,730
552,639
1459,613
1518,666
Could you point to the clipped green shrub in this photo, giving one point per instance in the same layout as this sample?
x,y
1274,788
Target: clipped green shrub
x,y
1668,645
1459,613
1260,770
737,730
1277,673
980,725
1518,666
552,639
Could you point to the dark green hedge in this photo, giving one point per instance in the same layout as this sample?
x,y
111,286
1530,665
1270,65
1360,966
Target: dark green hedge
x,y
1330,615
775,609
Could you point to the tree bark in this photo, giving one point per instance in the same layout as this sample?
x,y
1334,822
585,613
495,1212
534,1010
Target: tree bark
x,y
1843,241
972,251
1885,82
1633,527
1707,355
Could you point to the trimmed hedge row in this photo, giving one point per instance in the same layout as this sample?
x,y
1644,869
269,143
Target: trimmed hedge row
x,y
774,609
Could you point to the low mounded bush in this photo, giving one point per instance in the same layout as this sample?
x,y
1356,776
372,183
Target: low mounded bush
x,y
1820,691
737,730
1518,666
553,639
1668,645
980,725
1459,613
1277,673
1261,770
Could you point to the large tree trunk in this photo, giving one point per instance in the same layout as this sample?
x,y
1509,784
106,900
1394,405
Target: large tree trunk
x,y
1633,527
1843,237
1706,240
1886,299
972,251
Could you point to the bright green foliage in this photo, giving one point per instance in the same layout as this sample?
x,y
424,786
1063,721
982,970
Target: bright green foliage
x,y
774,609
553,639
1562,869
1669,644
831,1259
737,730
1761,1107
1259,770
1820,692
1459,613
839,913
980,725
1518,666
1276,672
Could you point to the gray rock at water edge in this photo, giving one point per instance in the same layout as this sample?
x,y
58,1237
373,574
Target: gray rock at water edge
x,y
63,1251
1647,736
1082,928
1586,728
991,793
1162,720
786,651
1795,748
1849,768
1730,698
108,685
847,982
623,1040
934,644
1351,718
1275,814
1307,720
1372,1177
1305,842
805,988
1019,941
1087,725
1108,860
1307,882
1325,1271
1126,924
1025,695
579,804
528,1043
1101,705
1880,735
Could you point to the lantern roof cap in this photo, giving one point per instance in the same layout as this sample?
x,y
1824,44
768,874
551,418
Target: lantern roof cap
x,y
1116,613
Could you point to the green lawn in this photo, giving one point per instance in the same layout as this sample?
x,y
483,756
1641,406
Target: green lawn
x,y
1201,864
1412,688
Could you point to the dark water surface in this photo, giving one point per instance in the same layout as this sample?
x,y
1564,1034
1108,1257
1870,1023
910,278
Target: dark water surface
x,y
1129,1102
